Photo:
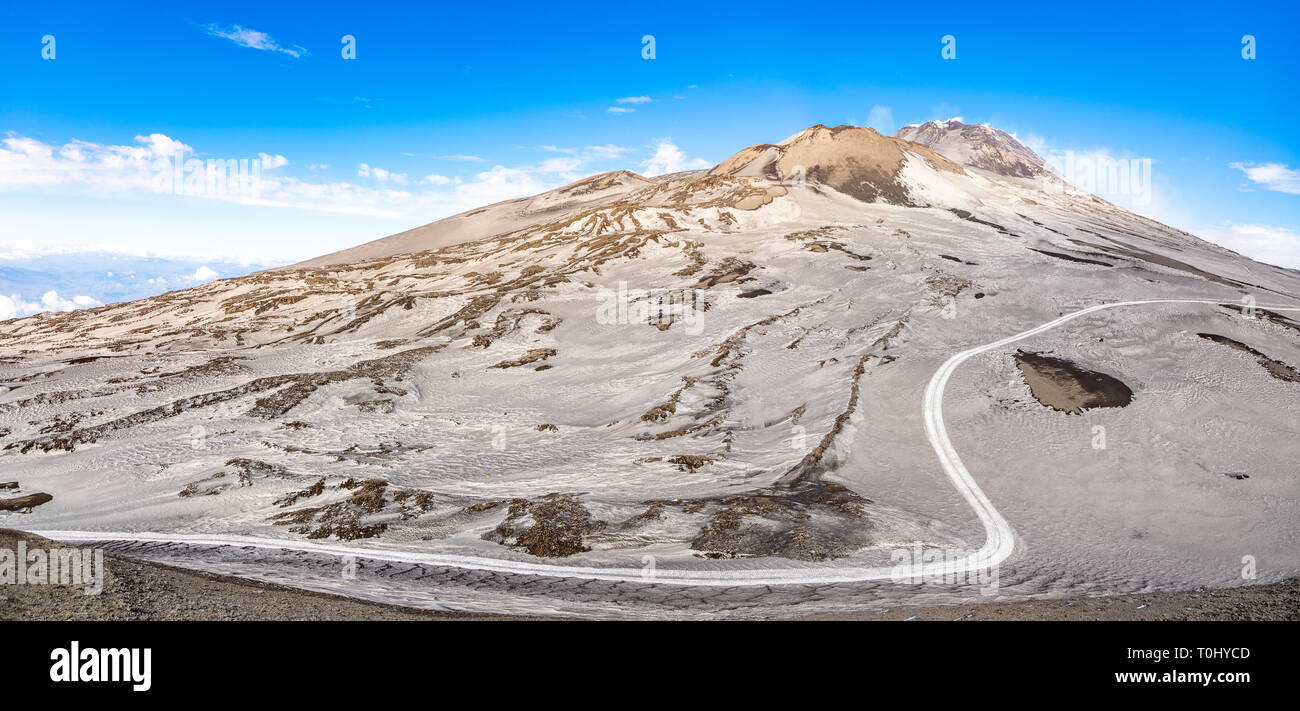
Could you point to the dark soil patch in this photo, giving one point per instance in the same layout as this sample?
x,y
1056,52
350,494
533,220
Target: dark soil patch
x,y
1071,258
1275,368
531,356
25,503
812,521
1065,386
553,527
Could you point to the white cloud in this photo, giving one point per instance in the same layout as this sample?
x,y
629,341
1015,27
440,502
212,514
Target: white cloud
x,y
500,183
1272,245
26,162
643,99
668,158
1272,176
253,39
435,179
619,110
881,118
461,157
14,306
367,171
204,273
269,162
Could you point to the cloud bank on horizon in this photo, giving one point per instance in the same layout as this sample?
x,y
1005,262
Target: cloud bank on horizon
x,y
32,282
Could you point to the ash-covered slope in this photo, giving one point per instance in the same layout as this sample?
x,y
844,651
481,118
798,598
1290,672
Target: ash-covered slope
x,y
978,146
854,161
495,219
706,366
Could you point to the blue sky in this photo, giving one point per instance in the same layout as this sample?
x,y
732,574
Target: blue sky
x,y
451,105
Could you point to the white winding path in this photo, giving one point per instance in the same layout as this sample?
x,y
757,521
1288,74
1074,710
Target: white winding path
x,y
998,545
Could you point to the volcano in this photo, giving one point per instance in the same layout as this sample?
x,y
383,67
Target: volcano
x,y
712,370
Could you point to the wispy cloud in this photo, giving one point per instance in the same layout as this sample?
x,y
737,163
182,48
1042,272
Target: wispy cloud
x,y
619,110
643,99
608,151
365,170
881,118
272,161
1277,177
460,157
560,165
253,39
